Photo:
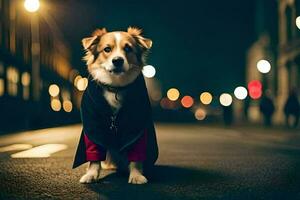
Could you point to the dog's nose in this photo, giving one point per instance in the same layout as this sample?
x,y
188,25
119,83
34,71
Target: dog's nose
x,y
118,61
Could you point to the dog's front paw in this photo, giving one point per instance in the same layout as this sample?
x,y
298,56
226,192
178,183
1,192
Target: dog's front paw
x,y
136,177
90,177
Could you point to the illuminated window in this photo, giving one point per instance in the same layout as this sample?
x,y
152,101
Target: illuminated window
x,y
25,80
2,86
12,81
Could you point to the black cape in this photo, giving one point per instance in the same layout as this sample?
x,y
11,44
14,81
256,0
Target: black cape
x,y
121,131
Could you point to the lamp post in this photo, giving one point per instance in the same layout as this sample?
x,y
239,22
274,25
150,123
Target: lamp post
x,y
32,6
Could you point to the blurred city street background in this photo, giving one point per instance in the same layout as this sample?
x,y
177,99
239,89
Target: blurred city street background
x,y
223,80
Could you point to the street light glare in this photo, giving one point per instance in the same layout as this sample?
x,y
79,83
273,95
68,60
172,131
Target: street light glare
x,y
225,99
240,93
187,101
82,83
298,22
55,105
32,5
263,66
173,94
200,114
53,90
67,105
149,71
206,98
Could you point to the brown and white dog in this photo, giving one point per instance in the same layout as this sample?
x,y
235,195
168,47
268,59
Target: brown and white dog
x,y
115,59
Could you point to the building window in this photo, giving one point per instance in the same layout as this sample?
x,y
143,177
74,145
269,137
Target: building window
x,y
2,86
25,80
12,76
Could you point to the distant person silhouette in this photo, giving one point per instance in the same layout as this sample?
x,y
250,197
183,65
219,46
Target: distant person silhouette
x,y
267,108
228,115
292,109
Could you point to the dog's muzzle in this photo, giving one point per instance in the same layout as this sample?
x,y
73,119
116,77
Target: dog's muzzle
x,y
118,63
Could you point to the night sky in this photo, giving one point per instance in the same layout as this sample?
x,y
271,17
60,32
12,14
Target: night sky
x,y
197,45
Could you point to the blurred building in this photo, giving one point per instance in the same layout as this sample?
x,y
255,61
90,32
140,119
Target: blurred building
x,y
36,77
288,52
278,41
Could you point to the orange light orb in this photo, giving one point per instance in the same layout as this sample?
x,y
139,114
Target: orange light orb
x,y
187,101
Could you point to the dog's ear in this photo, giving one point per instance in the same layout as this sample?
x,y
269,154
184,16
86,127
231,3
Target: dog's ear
x,y
90,41
145,43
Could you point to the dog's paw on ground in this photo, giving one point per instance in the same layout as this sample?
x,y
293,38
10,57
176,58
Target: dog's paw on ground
x,y
137,178
90,177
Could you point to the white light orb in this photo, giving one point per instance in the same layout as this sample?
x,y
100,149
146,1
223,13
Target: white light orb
x,y
298,22
149,71
225,99
240,93
32,5
263,66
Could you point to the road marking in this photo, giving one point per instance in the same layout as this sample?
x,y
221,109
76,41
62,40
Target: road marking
x,y
15,147
42,151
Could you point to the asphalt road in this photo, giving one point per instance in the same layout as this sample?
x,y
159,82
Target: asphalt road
x,y
195,162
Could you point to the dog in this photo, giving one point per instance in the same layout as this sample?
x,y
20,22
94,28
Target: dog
x,y
115,61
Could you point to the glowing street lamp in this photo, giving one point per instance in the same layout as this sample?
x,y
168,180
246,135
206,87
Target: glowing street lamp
x,y
32,5
263,66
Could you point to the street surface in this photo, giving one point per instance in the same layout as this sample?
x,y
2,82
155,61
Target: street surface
x,y
195,162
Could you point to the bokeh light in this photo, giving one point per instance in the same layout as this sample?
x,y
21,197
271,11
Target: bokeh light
x,y
77,78
206,98
149,71
173,94
25,79
298,22
225,99
187,101
53,90
55,105
32,5
263,66
82,83
67,106
240,93
255,89
200,114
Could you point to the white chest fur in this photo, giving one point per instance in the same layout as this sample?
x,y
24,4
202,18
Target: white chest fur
x,y
114,101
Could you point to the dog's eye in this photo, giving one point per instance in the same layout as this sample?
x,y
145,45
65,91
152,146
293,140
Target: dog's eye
x,y
127,49
107,49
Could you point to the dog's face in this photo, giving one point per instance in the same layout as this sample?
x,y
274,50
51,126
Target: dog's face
x,y
116,58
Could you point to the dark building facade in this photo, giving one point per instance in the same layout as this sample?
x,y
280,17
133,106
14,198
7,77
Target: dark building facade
x,y
278,41
36,78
